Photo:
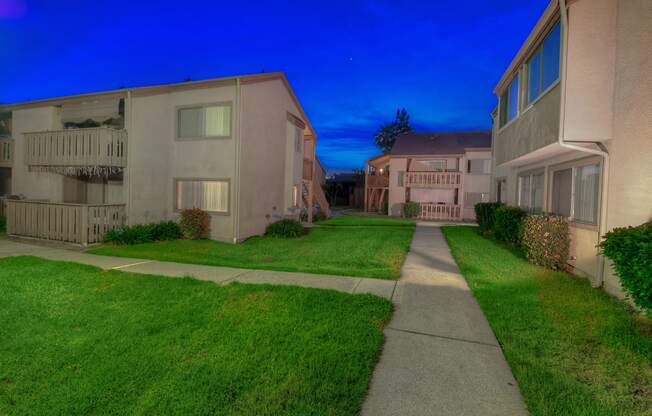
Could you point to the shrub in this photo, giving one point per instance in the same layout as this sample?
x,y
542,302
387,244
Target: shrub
x,y
546,239
195,223
135,234
320,216
3,223
384,206
630,250
285,229
166,230
411,209
485,215
507,224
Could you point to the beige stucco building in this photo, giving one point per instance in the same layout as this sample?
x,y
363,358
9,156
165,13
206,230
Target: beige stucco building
x,y
573,129
446,173
241,148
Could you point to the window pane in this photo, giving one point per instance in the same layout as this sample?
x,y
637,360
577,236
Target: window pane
x,y
534,78
513,99
537,193
478,166
207,195
298,138
190,122
551,50
503,109
218,121
586,193
524,192
562,188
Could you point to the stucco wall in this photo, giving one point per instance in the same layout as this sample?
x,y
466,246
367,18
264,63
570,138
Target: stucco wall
x,y
535,128
396,197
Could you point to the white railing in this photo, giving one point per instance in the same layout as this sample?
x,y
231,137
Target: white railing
x,y
6,152
433,179
71,223
101,146
440,212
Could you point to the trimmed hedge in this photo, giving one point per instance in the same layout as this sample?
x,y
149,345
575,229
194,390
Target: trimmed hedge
x,y
144,233
507,224
285,229
195,223
630,250
546,239
485,215
411,209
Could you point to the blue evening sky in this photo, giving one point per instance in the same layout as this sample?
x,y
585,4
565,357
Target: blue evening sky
x,y
352,63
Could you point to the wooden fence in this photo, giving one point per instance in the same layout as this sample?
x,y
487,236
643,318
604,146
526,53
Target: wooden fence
x,y
71,223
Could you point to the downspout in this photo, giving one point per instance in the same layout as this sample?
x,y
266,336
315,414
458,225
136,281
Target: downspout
x,y
236,176
129,155
601,151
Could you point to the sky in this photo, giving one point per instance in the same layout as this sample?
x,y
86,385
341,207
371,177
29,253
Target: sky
x,y
352,63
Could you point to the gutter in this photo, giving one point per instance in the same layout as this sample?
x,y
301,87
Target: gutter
x,y
601,151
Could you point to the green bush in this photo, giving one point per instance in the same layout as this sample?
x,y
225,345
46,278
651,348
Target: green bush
x,y
384,206
195,223
144,233
546,240
507,224
630,250
485,215
285,229
411,209
320,216
3,224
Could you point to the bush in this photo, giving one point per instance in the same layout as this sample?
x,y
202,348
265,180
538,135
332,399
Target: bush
x,y
411,209
195,223
507,224
485,215
320,216
630,250
384,206
546,239
285,229
144,233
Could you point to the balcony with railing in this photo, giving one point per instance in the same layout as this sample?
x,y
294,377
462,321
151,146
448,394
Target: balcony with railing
x,y
6,153
101,148
377,181
80,224
435,211
433,179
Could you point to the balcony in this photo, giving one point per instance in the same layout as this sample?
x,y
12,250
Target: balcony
x,y
377,181
432,179
101,148
307,169
431,211
6,153
81,224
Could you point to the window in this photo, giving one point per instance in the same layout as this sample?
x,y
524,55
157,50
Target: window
x,y
209,195
472,198
530,192
295,196
575,193
562,192
479,166
5,124
543,66
501,190
438,165
298,138
204,121
509,102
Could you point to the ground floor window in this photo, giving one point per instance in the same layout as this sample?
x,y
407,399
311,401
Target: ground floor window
x,y
530,192
501,190
575,193
209,195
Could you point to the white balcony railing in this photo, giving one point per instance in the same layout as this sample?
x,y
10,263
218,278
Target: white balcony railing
x,y
432,179
431,211
101,147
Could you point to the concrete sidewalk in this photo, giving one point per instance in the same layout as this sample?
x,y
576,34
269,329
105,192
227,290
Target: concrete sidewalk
x,y
219,275
440,355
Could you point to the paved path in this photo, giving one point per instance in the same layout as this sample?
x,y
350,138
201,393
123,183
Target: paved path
x,y
440,355
220,275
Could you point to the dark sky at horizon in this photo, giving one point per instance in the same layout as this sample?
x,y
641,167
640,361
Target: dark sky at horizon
x,y
352,63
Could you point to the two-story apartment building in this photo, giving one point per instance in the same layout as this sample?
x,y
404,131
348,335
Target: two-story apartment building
x,y
241,148
573,129
447,173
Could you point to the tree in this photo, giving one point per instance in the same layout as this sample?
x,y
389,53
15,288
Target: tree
x,y
387,133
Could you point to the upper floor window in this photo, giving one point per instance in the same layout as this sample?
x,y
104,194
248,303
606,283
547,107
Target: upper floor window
x,y
509,102
479,166
543,66
5,124
204,121
298,139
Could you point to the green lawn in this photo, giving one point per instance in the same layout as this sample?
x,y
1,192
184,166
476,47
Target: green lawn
x,y
367,221
76,340
574,350
341,249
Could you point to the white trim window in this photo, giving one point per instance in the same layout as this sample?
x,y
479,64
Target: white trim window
x,y
543,66
209,195
575,193
479,166
204,121
530,192
509,102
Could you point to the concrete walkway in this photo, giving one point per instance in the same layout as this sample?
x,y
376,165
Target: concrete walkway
x,y
440,355
219,275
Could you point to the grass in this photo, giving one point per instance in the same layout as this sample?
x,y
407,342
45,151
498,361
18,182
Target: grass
x,y
351,247
78,340
574,350
367,221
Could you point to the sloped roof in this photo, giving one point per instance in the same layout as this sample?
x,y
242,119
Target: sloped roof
x,y
440,143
